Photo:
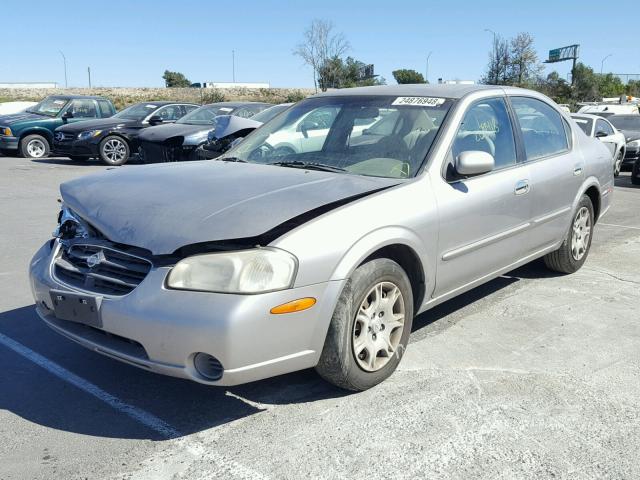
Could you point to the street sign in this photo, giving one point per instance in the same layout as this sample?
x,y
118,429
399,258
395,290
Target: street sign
x,y
563,53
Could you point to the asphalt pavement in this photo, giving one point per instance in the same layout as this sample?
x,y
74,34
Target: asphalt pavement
x,y
533,375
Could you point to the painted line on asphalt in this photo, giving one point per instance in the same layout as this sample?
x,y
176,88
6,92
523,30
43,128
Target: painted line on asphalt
x,y
147,419
619,226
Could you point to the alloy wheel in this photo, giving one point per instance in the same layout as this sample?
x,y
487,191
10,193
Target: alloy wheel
x,y
36,148
114,150
581,233
618,165
378,326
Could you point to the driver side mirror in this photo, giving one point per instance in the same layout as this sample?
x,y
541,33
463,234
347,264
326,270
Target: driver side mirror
x,y
600,134
474,162
155,120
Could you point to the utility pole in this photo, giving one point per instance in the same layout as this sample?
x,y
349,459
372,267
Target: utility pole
x,y
426,77
64,59
602,63
233,65
495,56
89,73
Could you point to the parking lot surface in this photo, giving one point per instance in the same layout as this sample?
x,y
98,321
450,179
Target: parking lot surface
x,y
533,375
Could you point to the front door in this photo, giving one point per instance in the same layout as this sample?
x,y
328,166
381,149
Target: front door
x,y
483,219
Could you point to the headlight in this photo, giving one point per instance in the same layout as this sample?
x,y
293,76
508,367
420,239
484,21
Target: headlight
x,y
248,271
6,131
89,134
634,143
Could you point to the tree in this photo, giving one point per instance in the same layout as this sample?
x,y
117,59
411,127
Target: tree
x,y
498,67
524,67
338,73
321,46
175,79
555,87
407,76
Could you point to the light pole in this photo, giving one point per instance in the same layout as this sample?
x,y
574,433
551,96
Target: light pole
x,y
495,56
64,59
426,77
233,65
602,63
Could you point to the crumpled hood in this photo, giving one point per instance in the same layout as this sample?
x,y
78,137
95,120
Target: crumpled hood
x,y
167,206
98,123
160,133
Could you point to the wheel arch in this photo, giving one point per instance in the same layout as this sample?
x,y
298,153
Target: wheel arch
x,y
43,132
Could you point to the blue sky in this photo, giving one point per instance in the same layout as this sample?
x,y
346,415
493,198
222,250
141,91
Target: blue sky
x,y
130,43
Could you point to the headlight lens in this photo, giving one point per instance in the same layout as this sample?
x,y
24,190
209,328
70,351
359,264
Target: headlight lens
x,y
634,143
88,134
6,131
248,271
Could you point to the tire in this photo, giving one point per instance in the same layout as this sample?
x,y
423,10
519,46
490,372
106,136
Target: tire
x,y
635,173
34,146
339,363
114,150
574,251
617,166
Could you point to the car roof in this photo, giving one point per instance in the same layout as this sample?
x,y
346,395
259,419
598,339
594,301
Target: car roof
x,y
626,115
166,102
587,115
418,90
73,97
234,104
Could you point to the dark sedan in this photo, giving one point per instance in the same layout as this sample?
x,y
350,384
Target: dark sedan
x,y
114,139
178,142
629,125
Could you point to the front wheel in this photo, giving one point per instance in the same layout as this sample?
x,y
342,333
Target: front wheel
x,y
34,146
114,151
635,173
617,166
574,249
370,327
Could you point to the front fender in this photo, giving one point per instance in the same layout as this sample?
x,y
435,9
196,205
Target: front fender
x,y
45,132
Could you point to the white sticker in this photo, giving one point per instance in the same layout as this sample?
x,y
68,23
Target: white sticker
x,y
419,101
150,106
59,102
225,109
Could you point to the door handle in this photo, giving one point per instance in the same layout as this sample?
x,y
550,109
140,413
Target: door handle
x,y
522,187
577,171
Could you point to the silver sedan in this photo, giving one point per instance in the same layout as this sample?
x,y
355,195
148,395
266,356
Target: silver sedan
x,y
316,240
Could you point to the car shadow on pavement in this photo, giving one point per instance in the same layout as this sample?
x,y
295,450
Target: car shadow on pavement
x,y
31,392
67,161
624,181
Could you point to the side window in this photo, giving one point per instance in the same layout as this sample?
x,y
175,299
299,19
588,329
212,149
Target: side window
x,y
543,132
320,119
106,110
486,127
169,113
83,108
602,126
189,108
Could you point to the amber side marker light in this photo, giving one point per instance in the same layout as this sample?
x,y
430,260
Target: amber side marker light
x,y
294,306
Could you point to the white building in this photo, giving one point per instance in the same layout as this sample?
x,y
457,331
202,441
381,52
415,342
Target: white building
x,y
28,85
234,85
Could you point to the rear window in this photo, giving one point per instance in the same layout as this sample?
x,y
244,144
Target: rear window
x,y
542,129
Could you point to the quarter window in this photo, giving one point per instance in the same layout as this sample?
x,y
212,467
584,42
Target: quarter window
x,y
542,130
486,127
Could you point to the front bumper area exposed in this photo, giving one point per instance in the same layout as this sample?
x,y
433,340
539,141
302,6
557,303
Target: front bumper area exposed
x,y
161,330
8,143
75,148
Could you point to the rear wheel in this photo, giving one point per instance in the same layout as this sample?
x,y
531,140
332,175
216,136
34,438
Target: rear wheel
x,y
114,150
370,327
617,166
635,173
34,146
574,249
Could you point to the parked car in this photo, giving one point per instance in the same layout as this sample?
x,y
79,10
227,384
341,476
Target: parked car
x,y
607,109
113,139
600,128
629,125
178,142
229,129
31,132
9,108
258,264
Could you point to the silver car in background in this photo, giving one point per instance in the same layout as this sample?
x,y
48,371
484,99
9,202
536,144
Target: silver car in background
x,y
271,260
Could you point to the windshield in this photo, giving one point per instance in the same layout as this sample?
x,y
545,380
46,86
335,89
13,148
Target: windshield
x,y
630,122
50,106
137,111
206,115
382,136
266,115
584,123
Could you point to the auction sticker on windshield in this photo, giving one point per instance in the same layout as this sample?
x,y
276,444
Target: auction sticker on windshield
x,y
419,101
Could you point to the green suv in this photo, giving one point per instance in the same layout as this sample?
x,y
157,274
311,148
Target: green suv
x,y
31,132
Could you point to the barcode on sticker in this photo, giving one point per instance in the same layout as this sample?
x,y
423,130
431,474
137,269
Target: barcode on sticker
x,y
419,101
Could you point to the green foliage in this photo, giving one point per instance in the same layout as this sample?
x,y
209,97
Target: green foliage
x,y
339,73
175,79
293,97
212,95
404,75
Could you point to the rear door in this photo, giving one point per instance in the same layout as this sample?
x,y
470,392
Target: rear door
x,y
556,172
484,218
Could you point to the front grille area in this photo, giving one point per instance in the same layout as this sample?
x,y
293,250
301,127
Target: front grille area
x,y
64,137
100,269
171,150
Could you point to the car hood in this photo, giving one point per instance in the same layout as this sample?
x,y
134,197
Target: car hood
x,y
630,135
98,123
164,207
22,117
160,133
